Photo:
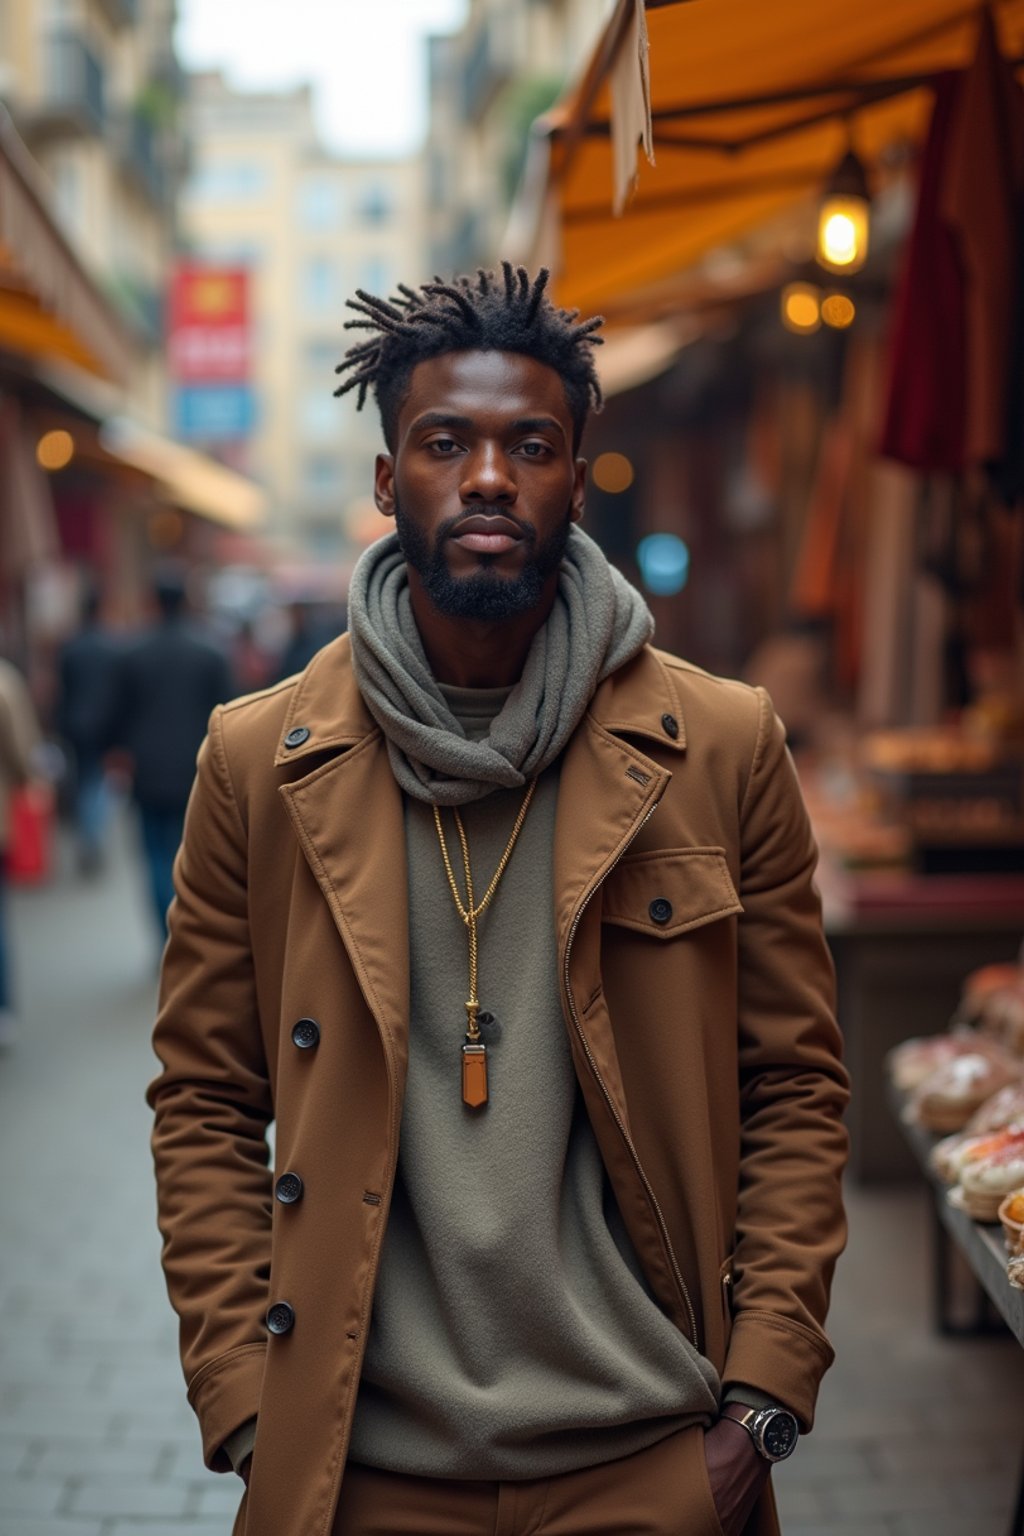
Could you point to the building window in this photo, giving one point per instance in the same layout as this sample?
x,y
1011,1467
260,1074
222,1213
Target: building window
x,y
322,354
228,181
322,475
319,204
375,275
320,286
234,253
318,414
376,204
67,186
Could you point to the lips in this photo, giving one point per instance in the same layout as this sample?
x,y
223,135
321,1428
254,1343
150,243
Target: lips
x,y
487,535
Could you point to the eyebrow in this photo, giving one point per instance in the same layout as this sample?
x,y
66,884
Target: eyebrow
x,y
538,424
431,419
441,419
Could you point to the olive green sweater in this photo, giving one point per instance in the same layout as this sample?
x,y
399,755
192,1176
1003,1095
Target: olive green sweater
x,y
512,1336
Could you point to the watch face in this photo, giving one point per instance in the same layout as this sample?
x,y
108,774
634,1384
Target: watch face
x,y
779,1435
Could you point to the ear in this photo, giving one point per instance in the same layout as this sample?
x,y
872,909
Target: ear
x,y
579,488
384,484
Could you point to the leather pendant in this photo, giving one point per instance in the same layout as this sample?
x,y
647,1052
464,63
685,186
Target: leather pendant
x,y
474,1075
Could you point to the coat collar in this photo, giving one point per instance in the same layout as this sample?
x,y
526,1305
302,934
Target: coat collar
x,y
327,704
640,699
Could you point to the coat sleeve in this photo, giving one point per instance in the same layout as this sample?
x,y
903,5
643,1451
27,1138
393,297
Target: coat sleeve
x,y
213,1104
793,1091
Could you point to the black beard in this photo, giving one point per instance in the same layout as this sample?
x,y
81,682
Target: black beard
x,y
484,595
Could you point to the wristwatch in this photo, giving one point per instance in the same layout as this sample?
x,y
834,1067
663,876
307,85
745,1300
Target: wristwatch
x,y
774,1430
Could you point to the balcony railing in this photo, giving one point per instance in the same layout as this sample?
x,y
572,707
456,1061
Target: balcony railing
x,y
120,12
139,153
73,94
483,72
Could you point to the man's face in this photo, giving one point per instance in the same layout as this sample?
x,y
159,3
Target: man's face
x,y
483,485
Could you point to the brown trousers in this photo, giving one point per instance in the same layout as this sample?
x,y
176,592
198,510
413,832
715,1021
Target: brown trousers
x,y
662,1491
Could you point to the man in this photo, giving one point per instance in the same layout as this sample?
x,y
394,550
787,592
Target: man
x,y
171,678
89,671
19,736
506,919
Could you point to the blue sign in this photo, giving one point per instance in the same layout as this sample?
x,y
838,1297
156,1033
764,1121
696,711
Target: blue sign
x,y
214,413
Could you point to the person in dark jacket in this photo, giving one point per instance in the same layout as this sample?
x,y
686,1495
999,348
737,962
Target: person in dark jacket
x,y
86,712
172,677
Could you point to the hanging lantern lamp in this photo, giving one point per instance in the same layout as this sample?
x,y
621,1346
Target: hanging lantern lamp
x,y
844,217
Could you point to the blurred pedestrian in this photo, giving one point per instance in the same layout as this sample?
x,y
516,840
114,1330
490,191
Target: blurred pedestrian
x,y
171,678
86,713
19,736
251,662
306,637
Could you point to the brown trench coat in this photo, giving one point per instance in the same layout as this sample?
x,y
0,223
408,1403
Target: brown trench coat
x,y
705,1046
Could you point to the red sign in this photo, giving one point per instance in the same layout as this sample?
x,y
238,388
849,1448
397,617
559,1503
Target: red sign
x,y
208,332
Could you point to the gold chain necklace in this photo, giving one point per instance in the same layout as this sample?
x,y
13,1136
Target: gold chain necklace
x,y
474,1051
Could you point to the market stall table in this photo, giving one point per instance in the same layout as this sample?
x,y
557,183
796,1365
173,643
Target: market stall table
x,y
902,945
984,1251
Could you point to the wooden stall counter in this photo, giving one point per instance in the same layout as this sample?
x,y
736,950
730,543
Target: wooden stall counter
x,y
902,945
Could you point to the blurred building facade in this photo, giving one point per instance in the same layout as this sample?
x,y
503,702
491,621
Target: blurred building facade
x,y
311,227
487,84
92,487
93,91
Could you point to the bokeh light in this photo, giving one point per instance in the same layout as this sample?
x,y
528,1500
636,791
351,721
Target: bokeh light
x,y
843,233
612,472
664,562
801,308
838,310
55,450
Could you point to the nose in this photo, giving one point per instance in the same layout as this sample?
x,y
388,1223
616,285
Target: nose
x,y
487,476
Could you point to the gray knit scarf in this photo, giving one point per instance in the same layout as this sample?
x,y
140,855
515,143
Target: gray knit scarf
x,y
598,622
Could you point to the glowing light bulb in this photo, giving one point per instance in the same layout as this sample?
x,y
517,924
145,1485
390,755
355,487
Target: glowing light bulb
x,y
844,217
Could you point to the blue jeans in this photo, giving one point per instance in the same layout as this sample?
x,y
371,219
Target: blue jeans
x,y
92,806
161,837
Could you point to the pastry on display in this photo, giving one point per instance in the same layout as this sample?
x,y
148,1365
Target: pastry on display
x,y
986,1181
1011,1215
947,1099
980,985
1004,1111
1001,1016
1015,1271
913,1061
951,1155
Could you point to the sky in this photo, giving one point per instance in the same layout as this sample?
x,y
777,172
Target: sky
x,y
365,58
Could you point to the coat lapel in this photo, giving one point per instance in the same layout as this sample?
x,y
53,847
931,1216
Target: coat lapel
x,y
348,818
608,789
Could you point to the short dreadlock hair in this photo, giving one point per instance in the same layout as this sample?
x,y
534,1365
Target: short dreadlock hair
x,y
509,313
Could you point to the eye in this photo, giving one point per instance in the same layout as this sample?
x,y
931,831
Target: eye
x,y
535,449
444,446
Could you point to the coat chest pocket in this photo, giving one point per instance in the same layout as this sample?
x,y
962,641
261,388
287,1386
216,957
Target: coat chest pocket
x,y
670,892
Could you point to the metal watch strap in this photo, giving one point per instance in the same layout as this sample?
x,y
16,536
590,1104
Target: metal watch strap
x,y
741,1414
753,1419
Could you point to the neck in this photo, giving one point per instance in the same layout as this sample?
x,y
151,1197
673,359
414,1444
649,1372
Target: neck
x,y
477,653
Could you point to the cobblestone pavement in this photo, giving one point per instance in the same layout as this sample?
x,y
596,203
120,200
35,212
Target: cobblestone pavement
x,y
916,1436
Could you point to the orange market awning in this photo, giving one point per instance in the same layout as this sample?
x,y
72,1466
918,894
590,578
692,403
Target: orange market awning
x,y
751,106
49,305
186,478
